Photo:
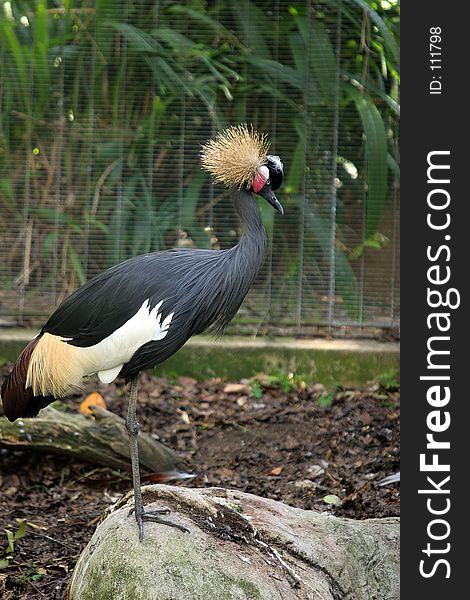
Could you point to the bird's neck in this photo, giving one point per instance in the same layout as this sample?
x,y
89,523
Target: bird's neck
x,y
233,270
253,238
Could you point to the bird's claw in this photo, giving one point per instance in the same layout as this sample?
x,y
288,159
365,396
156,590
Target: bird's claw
x,y
158,511
154,517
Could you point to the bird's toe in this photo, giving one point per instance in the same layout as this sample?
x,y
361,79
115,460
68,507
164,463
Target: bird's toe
x,y
154,517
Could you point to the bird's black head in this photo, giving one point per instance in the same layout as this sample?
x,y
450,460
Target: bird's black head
x,y
268,178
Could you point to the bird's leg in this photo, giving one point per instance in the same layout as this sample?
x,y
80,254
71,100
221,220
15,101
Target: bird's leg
x,y
133,429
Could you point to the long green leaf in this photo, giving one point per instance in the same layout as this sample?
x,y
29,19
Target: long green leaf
x,y
296,169
20,56
252,24
346,284
202,18
41,46
76,264
191,196
345,280
377,151
277,70
321,55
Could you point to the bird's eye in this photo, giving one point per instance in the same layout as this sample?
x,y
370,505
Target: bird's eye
x,y
268,182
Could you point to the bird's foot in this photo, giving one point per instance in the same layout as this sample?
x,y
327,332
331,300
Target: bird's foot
x,y
154,517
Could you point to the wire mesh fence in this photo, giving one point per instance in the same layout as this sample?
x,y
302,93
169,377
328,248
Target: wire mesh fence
x,y
104,106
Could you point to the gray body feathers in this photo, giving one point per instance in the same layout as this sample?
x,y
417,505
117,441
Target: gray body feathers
x,y
203,288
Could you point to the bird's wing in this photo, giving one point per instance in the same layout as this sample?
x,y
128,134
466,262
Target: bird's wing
x,y
109,300
181,290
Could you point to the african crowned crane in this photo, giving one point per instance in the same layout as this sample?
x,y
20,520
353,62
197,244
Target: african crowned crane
x,y
137,314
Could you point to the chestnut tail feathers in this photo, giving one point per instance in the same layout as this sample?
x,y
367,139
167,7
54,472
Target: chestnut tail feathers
x,y
18,400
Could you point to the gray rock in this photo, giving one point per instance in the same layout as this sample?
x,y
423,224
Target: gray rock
x,y
240,547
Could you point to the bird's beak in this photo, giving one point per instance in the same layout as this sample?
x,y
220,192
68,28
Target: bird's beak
x,y
269,195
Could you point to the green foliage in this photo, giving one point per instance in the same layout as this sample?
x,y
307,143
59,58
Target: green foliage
x,y
286,382
377,241
332,499
377,166
12,538
256,389
389,380
326,399
102,100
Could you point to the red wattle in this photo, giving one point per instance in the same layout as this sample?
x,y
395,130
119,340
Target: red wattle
x,y
258,182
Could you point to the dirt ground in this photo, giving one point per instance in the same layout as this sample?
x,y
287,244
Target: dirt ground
x,y
277,437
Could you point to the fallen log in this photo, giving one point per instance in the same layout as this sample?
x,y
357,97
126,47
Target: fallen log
x,y
100,438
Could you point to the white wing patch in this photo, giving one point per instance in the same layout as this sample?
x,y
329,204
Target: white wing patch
x,y
108,356
58,368
162,327
110,374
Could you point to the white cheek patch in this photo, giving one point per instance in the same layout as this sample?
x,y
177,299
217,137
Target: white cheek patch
x,y
264,171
